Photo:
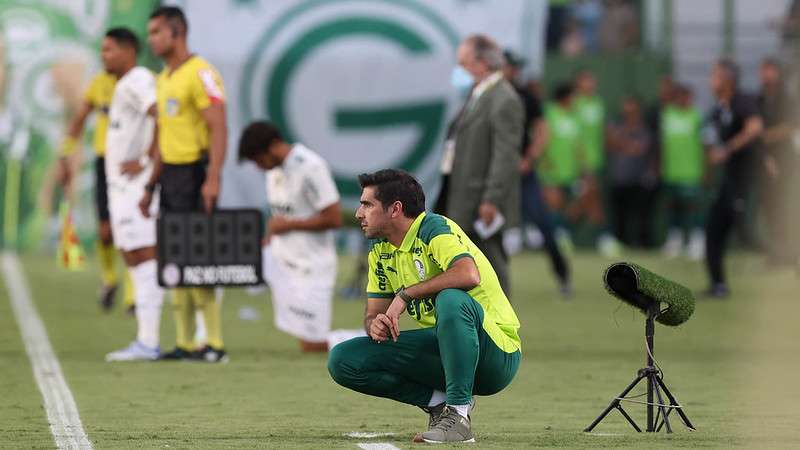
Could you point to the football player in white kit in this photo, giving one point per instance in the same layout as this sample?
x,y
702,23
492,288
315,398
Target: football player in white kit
x,y
129,144
300,254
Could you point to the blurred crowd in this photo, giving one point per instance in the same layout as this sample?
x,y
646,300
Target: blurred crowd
x,y
590,26
664,173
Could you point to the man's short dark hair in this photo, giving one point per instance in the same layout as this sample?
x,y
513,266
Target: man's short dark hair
x,y
175,19
563,91
584,72
124,37
771,61
730,68
393,185
683,89
256,139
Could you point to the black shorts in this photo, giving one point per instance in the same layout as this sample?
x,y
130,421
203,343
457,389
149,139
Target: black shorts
x,y
101,189
181,186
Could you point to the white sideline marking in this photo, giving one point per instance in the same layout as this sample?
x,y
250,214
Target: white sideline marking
x,y
367,435
378,446
62,413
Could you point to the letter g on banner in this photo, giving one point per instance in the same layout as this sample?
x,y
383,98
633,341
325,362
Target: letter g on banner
x,y
363,82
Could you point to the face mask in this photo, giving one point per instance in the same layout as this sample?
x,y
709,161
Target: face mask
x,y
462,80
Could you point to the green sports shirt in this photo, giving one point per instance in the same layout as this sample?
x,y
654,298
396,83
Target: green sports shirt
x,y
591,115
681,146
559,163
431,246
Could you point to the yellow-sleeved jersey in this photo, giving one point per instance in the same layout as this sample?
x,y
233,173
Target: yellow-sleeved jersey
x,y
431,246
183,94
98,95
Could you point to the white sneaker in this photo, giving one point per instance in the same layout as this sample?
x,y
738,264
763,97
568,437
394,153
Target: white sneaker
x,y
672,247
512,241
135,351
696,249
609,246
534,238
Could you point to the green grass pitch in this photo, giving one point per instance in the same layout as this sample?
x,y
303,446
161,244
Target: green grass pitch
x,y
733,366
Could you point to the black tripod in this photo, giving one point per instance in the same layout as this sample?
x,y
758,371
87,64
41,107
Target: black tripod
x,y
655,386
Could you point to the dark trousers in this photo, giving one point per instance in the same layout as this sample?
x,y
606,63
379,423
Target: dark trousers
x,y
632,210
683,205
534,210
728,210
494,251
101,189
181,186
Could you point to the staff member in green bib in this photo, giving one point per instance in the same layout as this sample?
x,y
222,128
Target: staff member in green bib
x,y
591,114
424,264
682,170
555,157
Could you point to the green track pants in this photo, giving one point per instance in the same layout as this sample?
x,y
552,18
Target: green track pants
x,y
455,356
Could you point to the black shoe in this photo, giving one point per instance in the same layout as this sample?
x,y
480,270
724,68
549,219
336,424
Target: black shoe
x,y
565,289
211,354
131,311
177,354
107,294
718,291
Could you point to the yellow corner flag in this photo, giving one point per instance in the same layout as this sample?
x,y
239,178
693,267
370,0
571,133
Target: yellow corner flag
x,y
70,253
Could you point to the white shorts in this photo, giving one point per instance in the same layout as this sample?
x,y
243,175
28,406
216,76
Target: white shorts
x,y
301,301
131,230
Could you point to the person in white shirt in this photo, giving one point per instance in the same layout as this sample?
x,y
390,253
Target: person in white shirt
x,y
129,144
299,252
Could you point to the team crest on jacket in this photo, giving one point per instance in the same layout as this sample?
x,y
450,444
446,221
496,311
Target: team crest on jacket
x,y
420,269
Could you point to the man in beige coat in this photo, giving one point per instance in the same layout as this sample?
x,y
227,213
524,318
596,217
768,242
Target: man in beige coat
x,y
481,159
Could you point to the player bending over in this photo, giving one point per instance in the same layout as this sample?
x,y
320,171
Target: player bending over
x,y
300,254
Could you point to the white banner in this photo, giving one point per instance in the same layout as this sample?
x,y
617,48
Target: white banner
x,y
365,83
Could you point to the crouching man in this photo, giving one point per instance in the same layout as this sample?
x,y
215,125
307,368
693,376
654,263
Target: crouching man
x,y
425,264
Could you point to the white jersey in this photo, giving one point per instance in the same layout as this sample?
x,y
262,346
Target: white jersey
x,y
130,129
300,188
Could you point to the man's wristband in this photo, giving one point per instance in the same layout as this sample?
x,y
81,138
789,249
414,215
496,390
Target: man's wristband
x,y
402,294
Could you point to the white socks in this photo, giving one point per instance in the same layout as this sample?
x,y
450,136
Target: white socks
x,y
437,398
200,334
149,297
462,410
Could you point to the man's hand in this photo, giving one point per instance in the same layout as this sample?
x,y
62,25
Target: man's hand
x,y
525,166
393,313
210,192
64,171
276,225
486,212
718,155
131,168
379,328
771,165
144,203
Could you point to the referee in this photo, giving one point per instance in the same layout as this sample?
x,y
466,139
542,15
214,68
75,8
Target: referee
x,y
737,125
192,135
